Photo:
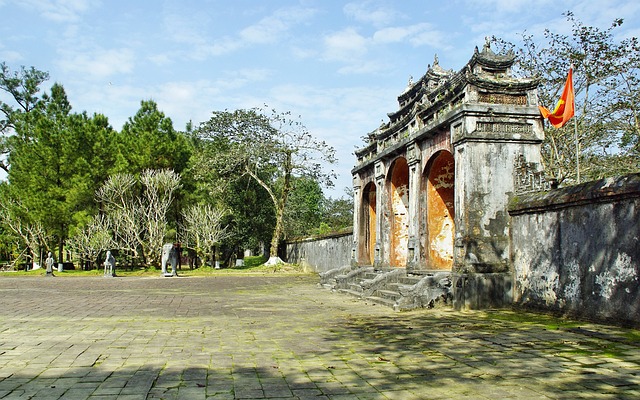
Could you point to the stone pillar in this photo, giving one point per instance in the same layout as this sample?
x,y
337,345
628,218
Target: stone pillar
x,y
484,183
415,174
381,256
357,219
485,149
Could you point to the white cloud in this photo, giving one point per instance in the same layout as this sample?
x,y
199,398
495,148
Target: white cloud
x,y
188,29
191,100
161,59
505,6
370,12
393,34
99,63
220,47
322,111
10,56
245,76
60,10
269,29
433,38
369,55
360,67
304,52
417,34
182,100
184,29
345,45
265,31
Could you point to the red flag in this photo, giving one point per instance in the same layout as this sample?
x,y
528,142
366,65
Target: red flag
x,y
566,105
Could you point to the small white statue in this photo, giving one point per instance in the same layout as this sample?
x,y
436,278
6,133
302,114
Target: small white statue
x,y
49,263
109,265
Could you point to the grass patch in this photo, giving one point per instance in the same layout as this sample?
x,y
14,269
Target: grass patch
x,y
252,265
549,322
633,336
590,349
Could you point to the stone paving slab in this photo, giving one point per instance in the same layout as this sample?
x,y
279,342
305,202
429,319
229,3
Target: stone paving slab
x,y
282,337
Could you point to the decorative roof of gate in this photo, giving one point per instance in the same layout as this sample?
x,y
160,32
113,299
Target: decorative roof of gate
x,y
438,91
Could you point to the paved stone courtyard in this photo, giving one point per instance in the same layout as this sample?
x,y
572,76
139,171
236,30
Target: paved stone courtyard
x,y
257,337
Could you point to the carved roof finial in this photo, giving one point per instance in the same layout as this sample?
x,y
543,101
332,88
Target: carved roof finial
x,y
487,44
435,60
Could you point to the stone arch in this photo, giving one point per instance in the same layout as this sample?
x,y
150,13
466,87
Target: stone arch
x,y
398,187
368,224
438,180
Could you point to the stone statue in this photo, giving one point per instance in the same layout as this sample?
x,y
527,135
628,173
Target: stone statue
x,y
171,255
49,263
109,265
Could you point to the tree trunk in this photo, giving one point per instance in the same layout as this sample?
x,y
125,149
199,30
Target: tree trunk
x,y
60,250
31,257
277,233
286,188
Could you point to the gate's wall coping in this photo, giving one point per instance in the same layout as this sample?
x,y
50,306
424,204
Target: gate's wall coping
x,y
603,190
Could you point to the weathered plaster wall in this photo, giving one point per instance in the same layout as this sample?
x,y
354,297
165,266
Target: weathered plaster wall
x,y
321,254
484,179
577,250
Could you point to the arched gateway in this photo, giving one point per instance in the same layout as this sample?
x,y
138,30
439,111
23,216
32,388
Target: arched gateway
x,y
368,227
432,185
439,211
398,189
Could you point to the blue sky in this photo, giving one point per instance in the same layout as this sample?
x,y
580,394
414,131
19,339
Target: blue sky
x,y
338,64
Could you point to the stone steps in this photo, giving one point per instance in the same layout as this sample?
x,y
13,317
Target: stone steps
x,y
391,287
382,301
355,287
410,279
388,294
350,292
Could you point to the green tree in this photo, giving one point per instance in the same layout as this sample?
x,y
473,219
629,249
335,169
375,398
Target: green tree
x,y
273,149
92,240
18,225
148,140
251,216
203,229
337,214
138,213
22,87
606,77
304,209
57,161
213,182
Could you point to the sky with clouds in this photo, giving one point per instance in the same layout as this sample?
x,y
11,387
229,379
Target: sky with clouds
x,y
340,65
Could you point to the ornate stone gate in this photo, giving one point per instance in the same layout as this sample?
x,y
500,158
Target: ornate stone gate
x,y
433,184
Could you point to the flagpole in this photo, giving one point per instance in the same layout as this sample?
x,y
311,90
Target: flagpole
x,y
564,111
575,129
575,126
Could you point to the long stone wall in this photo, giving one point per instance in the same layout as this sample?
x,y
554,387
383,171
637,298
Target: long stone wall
x,y
322,253
576,250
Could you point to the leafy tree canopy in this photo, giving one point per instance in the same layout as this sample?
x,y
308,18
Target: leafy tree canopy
x,y
607,87
273,149
149,141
